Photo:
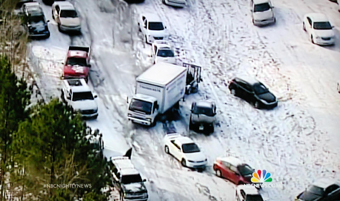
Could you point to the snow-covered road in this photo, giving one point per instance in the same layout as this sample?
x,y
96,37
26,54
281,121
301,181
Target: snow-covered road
x,y
297,142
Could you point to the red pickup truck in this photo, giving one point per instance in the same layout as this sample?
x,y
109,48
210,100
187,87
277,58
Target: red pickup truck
x,y
77,64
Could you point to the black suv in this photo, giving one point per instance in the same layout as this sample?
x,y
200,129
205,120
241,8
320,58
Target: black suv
x,y
35,22
253,92
321,190
127,180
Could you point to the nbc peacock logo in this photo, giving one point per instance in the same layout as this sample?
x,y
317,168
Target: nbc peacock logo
x,y
261,177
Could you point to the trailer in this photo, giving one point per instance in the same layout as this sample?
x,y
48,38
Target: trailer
x,y
158,89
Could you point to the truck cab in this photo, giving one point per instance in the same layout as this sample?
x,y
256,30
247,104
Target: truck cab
x,y
77,63
162,52
143,110
78,94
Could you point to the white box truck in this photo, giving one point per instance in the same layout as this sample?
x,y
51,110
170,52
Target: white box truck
x,y
158,89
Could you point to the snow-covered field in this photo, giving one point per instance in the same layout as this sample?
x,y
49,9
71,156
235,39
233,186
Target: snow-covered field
x,y
297,142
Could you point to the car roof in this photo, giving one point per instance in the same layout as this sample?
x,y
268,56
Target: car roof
x,y
205,104
32,3
260,1
318,17
232,160
82,87
248,79
179,138
64,5
249,189
129,171
325,182
122,162
35,10
162,43
152,17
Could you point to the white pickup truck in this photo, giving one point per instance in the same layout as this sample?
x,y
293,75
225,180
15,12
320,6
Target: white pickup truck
x,y
78,94
162,52
158,89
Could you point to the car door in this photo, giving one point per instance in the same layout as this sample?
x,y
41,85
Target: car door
x,y
233,174
242,90
225,169
175,149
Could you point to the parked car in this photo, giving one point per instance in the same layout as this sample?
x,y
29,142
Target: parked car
x,y
202,116
233,169
77,63
262,12
247,193
66,16
184,150
321,190
152,28
175,3
50,2
319,29
34,20
22,2
127,180
162,52
253,92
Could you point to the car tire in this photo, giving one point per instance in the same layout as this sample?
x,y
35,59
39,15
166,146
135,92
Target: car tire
x,y
312,39
166,149
218,173
338,87
59,27
304,26
183,162
256,104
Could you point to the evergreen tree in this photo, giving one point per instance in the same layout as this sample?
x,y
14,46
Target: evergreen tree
x,y
55,151
14,99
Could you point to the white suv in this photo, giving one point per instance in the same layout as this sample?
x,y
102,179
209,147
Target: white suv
x,y
262,12
64,13
152,28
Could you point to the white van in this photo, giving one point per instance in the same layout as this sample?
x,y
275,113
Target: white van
x,y
262,12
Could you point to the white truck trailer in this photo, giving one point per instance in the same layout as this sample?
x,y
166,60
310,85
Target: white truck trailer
x,y
158,89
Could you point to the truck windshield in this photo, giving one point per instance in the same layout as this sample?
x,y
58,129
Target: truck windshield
x,y
79,96
76,61
156,26
134,178
190,148
165,53
141,106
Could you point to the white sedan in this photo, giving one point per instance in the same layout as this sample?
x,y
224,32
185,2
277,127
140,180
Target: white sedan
x,y
319,29
184,150
247,192
152,28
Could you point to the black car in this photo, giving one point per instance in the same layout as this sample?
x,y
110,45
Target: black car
x,y
35,22
322,190
50,2
253,92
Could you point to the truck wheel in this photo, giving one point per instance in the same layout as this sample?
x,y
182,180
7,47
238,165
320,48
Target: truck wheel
x,y
153,123
257,105
184,163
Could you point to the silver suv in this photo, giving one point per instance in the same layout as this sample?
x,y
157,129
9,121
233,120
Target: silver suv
x,y
202,117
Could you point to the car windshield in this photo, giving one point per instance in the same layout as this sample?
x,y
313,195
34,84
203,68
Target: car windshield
x,y
260,88
190,148
139,105
134,178
156,26
36,19
68,13
165,53
79,96
245,169
254,198
322,25
73,61
261,7
315,190
204,110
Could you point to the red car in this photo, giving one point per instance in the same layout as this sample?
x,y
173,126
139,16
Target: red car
x,y
233,169
77,64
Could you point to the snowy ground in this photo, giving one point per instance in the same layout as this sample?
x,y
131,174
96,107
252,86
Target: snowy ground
x,y
297,142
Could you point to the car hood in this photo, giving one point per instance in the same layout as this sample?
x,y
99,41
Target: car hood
x,y
197,156
324,33
268,14
171,60
39,27
70,21
84,105
268,97
134,187
160,33
307,196
76,70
